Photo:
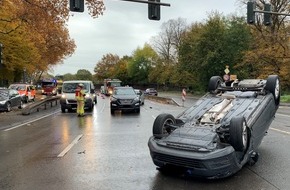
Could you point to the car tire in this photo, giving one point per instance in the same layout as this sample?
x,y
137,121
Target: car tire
x,y
20,105
62,109
91,107
253,159
159,126
239,134
137,110
8,107
273,86
112,111
214,83
26,99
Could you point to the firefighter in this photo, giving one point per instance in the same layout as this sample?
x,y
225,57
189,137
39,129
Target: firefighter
x,y
80,97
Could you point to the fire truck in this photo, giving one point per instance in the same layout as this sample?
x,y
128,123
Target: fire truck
x,y
109,85
49,86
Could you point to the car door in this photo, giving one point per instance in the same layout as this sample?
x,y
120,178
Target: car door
x,y
12,98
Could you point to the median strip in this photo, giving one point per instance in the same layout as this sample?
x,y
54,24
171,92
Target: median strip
x,y
75,141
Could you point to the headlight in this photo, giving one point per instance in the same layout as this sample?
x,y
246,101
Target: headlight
x,y
137,98
63,96
2,102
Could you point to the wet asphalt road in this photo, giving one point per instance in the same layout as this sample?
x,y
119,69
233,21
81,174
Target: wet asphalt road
x,y
105,152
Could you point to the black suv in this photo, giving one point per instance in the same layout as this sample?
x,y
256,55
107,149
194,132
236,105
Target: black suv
x,y
124,98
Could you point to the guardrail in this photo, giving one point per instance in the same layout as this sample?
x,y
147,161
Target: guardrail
x,y
41,105
163,100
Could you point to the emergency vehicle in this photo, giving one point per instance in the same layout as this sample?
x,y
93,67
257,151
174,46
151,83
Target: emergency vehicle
x,y
110,84
49,86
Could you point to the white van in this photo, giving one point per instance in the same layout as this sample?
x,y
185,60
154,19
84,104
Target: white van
x,y
68,101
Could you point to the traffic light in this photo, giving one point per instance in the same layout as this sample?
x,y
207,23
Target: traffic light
x,y
154,10
267,16
76,5
251,6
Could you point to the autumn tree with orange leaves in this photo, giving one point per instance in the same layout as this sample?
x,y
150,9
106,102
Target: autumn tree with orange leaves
x,y
34,35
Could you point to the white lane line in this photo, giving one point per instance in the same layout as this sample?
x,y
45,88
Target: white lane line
x,y
103,107
281,131
31,121
75,141
282,115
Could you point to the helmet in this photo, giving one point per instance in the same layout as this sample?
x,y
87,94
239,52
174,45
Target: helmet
x,y
81,85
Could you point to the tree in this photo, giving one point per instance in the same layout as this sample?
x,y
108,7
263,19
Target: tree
x,y
34,36
106,68
84,74
269,52
168,41
143,59
207,48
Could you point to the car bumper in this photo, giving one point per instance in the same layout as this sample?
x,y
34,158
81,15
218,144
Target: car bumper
x,y
217,164
116,106
72,103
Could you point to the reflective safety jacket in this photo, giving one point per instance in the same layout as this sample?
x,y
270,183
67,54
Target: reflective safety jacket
x,y
80,94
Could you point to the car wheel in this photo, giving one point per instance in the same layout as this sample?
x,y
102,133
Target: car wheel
x,y
20,105
239,136
91,107
160,125
112,111
273,86
8,107
137,110
62,109
214,83
253,159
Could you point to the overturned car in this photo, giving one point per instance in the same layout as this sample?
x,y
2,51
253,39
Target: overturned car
x,y
221,133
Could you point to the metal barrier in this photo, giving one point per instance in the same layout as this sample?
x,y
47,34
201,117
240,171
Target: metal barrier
x,y
42,104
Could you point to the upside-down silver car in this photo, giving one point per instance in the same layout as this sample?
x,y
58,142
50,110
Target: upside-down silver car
x,y
221,133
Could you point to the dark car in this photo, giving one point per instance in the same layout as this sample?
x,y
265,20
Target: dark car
x,y
221,133
10,98
124,98
151,91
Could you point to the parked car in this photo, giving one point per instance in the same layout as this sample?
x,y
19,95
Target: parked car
x,y
124,98
68,100
10,98
221,133
140,93
27,91
151,91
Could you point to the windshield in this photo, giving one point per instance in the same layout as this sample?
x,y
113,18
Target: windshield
x,y
3,94
48,84
124,91
71,87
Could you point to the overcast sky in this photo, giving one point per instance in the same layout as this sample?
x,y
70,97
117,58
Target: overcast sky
x,y
124,26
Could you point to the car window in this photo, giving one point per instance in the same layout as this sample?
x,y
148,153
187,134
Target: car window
x,y
124,91
71,87
3,94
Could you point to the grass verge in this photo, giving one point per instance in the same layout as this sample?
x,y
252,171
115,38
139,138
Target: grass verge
x,y
285,99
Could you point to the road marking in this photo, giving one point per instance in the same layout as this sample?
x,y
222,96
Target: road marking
x,y
103,107
31,121
75,141
282,115
281,131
